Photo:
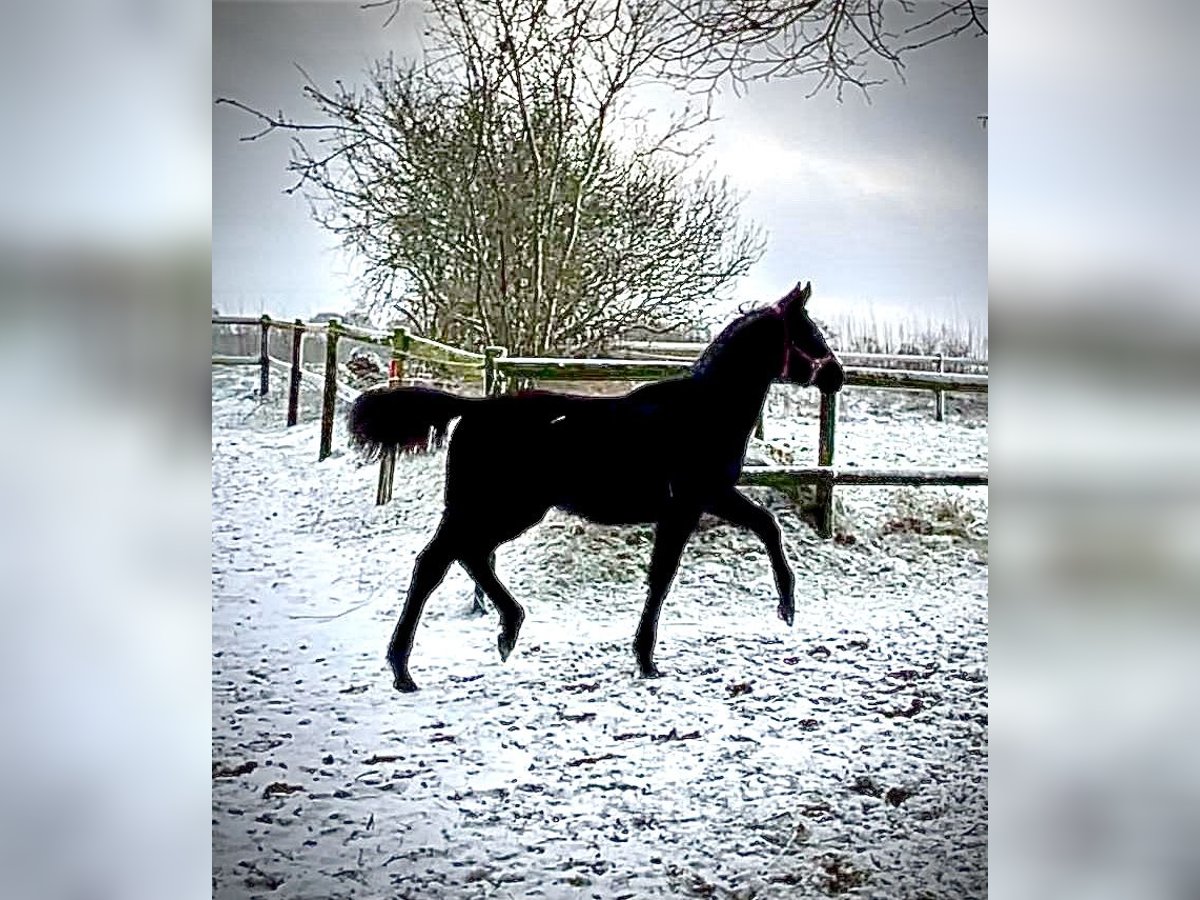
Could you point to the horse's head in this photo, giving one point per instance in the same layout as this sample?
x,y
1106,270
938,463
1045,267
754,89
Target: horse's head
x,y
806,359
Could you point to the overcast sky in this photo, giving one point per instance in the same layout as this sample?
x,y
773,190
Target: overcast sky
x,y
883,206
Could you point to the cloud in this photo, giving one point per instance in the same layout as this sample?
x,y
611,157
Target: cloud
x,y
763,164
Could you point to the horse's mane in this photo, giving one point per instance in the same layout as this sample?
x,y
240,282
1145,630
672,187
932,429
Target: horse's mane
x,y
722,341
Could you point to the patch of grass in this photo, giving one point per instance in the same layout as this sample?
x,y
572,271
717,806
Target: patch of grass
x,y
843,523
839,875
920,511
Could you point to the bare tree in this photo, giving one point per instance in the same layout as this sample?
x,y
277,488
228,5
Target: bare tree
x,y
509,191
830,43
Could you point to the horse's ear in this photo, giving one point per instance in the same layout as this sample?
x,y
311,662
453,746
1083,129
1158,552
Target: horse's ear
x,y
798,295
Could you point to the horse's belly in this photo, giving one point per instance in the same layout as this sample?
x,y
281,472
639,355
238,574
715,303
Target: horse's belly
x,y
605,513
609,502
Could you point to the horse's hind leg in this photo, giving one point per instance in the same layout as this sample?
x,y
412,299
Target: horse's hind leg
x,y
480,567
479,608
432,563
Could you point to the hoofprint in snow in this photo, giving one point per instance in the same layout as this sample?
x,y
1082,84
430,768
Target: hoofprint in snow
x,y
846,755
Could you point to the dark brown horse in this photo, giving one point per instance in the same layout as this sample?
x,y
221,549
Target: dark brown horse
x,y
665,453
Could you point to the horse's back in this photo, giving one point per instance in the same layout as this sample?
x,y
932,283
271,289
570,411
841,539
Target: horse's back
x,y
617,460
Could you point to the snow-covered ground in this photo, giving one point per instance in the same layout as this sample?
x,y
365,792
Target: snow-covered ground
x,y
846,755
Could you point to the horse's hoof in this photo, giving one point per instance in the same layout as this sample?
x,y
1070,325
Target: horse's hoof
x,y
404,684
506,644
788,614
651,671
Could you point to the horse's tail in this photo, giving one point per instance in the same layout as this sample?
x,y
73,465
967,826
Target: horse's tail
x,y
403,418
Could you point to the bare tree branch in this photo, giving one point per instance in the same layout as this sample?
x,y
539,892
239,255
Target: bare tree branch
x,y
491,206
834,44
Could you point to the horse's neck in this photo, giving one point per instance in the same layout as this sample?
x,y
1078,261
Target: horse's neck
x,y
737,401
733,377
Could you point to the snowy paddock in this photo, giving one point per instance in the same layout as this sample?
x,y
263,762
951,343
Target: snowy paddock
x,y
844,756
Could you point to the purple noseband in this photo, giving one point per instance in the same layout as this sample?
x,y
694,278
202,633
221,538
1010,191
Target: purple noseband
x,y
788,348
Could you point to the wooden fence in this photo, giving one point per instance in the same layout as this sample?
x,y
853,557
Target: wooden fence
x,y
398,345
939,362
498,370
692,349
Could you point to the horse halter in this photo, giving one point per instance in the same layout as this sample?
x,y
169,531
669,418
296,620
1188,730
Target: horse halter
x,y
815,363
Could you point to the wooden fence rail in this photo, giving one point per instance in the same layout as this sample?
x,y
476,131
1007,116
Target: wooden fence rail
x,y
784,476
688,350
547,369
499,370
692,349
236,320
824,476
397,344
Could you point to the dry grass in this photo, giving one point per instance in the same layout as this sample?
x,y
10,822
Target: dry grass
x,y
924,512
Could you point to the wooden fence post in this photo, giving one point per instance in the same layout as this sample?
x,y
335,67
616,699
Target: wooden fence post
x,y
264,378
387,462
493,383
329,396
293,414
824,494
491,375
939,394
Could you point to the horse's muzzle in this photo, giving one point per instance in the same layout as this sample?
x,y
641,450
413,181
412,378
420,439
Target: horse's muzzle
x,y
829,376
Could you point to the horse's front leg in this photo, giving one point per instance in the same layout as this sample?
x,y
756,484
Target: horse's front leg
x,y
670,537
737,509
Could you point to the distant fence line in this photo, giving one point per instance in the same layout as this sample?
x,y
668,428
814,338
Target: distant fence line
x,y
497,370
